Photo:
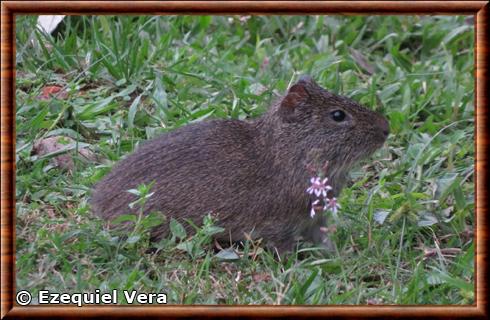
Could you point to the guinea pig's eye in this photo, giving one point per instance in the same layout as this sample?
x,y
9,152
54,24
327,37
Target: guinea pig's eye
x,y
338,115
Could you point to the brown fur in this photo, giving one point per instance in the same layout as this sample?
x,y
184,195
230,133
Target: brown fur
x,y
252,175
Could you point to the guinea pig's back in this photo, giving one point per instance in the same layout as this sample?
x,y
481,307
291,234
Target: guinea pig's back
x,y
192,169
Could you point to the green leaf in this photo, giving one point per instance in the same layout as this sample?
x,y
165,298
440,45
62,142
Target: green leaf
x,y
153,219
202,114
455,32
133,239
459,197
132,111
306,285
177,229
37,122
380,216
190,247
427,219
227,254
446,184
455,281
389,90
401,59
212,230
96,108
160,98
204,22
124,218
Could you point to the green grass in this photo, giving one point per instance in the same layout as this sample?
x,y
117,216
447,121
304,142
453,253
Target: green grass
x,y
404,234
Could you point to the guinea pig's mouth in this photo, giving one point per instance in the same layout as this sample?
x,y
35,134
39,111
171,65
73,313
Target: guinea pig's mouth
x,y
379,137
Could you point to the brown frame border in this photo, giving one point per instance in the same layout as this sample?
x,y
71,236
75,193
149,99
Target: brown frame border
x,y
10,8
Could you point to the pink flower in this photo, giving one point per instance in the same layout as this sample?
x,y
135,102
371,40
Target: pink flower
x,y
312,212
331,204
318,186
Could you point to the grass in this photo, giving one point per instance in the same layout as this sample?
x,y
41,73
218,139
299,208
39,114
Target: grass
x,y
405,231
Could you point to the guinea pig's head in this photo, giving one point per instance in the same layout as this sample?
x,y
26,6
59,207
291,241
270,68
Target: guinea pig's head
x,y
345,130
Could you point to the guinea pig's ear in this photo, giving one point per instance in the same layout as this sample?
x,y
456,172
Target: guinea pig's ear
x,y
296,96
